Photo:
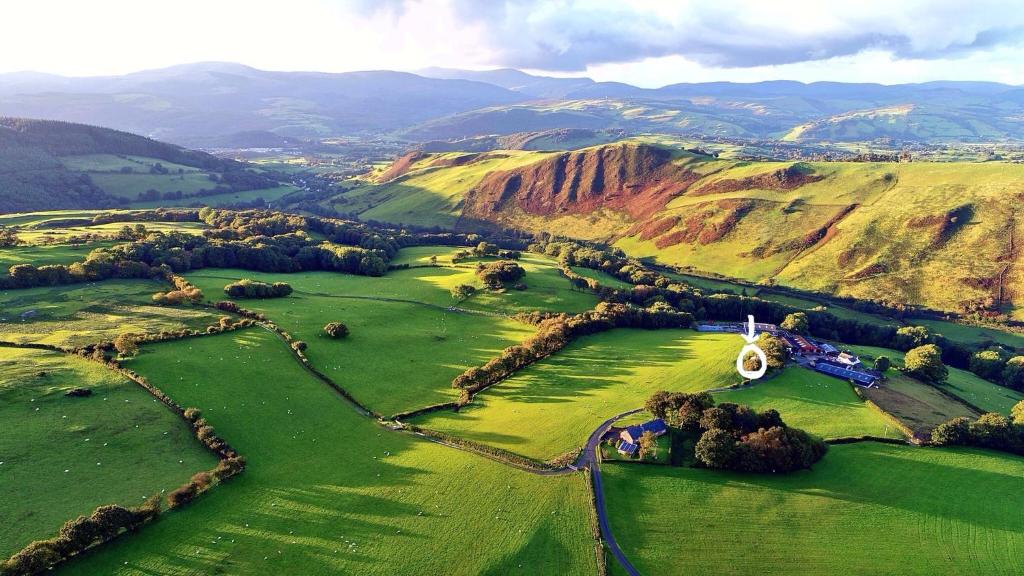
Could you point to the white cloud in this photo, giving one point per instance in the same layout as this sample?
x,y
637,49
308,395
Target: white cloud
x,y
648,42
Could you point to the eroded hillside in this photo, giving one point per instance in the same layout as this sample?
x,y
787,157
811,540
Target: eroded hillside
x,y
941,235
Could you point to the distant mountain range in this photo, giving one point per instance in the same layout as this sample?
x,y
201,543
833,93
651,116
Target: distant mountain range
x,y
222,104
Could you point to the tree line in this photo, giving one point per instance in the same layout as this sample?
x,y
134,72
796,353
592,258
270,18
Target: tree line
x,y
991,430
555,331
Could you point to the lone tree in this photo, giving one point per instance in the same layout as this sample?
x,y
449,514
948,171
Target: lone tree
x,y
795,322
127,344
462,291
925,363
882,363
336,330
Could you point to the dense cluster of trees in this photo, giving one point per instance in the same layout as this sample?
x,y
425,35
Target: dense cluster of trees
x,y
78,535
494,275
734,437
991,430
485,249
774,351
248,288
554,331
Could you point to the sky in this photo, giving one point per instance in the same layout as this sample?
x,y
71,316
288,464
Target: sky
x,y
648,43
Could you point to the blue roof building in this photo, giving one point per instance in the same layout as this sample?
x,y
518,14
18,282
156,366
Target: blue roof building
x,y
627,448
633,433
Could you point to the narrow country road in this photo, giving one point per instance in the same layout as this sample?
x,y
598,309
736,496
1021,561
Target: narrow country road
x,y
591,461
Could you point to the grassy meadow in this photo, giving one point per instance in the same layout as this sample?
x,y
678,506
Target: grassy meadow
x,y
865,509
81,314
819,404
552,407
405,346
961,383
330,491
42,255
61,457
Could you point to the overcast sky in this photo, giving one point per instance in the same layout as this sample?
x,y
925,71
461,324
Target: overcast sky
x,y
648,43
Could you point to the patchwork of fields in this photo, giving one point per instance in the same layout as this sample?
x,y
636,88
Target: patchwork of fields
x,y
329,490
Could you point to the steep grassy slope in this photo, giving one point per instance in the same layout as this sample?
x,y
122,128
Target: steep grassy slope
x,y
941,235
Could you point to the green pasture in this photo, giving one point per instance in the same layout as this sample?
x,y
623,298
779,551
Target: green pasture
x,y
44,254
961,383
865,509
819,404
603,277
61,457
329,491
551,408
225,199
80,314
405,346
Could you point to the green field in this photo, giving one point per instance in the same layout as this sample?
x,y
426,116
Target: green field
x,y
129,186
552,407
42,255
82,314
225,199
61,457
966,385
400,355
819,404
604,278
329,491
865,509
974,335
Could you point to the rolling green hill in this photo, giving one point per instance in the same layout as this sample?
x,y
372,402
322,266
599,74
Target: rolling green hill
x,y
942,235
50,165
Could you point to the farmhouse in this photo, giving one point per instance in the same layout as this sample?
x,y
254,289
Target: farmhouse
x,y
629,437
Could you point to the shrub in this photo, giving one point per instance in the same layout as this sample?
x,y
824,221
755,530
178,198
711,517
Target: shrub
x,y
336,330
989,364
883,363
299,346
35,558
462,291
